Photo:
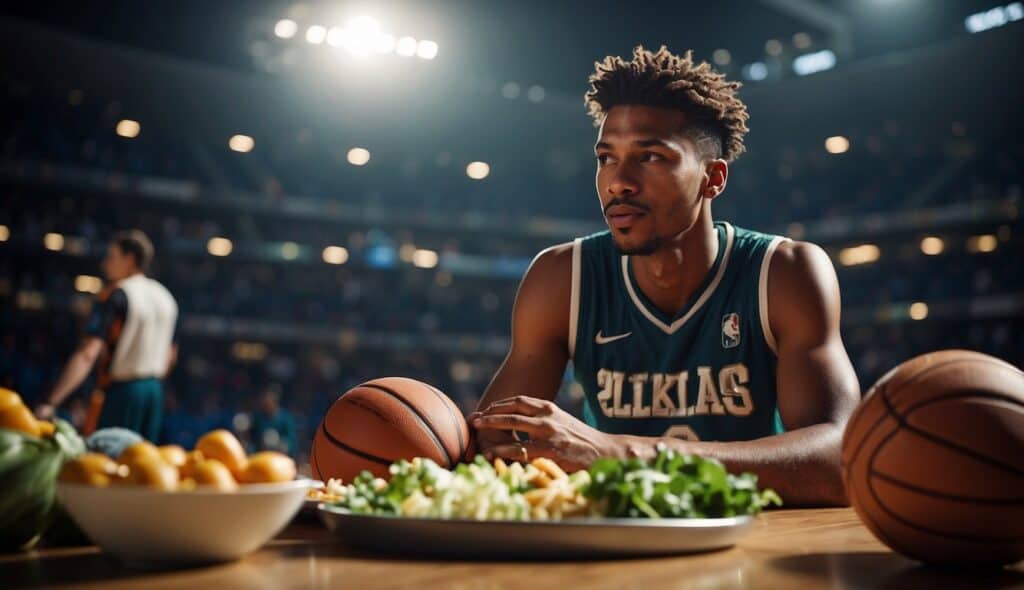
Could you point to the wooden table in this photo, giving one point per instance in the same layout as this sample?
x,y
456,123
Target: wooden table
x,y
789,549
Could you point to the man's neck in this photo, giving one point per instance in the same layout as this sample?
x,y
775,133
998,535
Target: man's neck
x,y
671,275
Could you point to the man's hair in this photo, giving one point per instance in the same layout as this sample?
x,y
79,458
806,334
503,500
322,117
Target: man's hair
x,y
717,117
134,242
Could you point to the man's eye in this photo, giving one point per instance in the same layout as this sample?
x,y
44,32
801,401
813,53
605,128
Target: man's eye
x,y
602,158
651,157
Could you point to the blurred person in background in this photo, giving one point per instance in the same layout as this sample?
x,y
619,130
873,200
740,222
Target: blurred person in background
x,y
273,427
132,325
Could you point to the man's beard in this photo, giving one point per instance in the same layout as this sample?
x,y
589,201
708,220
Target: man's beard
x,y
646,249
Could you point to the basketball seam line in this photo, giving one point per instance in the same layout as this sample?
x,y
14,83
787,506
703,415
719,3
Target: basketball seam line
x,y
427,426
444,400
945,443
984,395
898,518
952,497
921,374
354,451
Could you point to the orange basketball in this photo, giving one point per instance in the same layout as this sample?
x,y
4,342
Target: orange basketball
x,y
933,459
384,420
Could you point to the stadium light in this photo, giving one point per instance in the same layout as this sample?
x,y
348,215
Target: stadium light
x,y
358,156
385,43
53,242
289,250
335,255
407,252
994,17
88,284
856,255
286,28
316,34
982,244
406,47
773,47
535,94
219,246
918,310
127,128
241,143
510,90
5,233
812,63
423,258
801,40
837,144
478,170
249,351
361,35
756,71
932,245
426,49
721,57
336,36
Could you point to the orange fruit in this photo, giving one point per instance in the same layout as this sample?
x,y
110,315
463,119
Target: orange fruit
x,y
213,473
224,447
137,451
268,467
8,398
94,469
173,455
46,428
153,472
18,417
192,458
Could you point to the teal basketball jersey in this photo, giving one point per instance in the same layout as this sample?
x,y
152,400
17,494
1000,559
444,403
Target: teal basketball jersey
x,y
706,374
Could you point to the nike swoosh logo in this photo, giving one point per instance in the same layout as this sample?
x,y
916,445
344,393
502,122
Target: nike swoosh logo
x,y
606,339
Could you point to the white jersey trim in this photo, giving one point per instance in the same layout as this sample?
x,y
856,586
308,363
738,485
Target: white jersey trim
x,y
762,293
574,295
708,291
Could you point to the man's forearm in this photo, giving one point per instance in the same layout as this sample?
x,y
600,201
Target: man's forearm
x,y
74,373
801,465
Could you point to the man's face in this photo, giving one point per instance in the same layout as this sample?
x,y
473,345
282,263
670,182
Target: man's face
x,y
649,177
117,264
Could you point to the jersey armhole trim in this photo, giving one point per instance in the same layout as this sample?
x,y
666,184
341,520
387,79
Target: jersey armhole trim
x,y
762,293
574,294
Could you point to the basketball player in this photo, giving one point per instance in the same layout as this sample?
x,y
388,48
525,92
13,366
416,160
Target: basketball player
x,y
682,330
132,322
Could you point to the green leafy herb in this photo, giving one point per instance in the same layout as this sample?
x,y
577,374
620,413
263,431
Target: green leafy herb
x,y
674,485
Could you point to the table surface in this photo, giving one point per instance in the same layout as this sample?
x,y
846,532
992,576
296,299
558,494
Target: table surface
x,y
788,549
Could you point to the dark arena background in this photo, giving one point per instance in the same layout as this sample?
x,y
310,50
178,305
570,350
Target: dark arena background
x,y
338,192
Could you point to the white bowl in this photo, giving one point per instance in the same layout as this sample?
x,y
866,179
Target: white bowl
x,y
150,527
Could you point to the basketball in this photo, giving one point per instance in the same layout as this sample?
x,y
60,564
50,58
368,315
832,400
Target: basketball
x,y
385,420
933,459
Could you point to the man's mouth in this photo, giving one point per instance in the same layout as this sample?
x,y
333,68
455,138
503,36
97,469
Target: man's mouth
x,y
623,216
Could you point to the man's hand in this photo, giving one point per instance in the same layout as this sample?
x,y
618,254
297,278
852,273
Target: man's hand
x,y
553,433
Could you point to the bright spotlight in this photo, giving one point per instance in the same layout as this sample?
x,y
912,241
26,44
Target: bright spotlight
x,y
335,255
286,28
53,242
837,144
316,34
358,156
406,47
361,35
88,284
335,36
756,71
932,245
128,128
722,57
918,310
289,250
510,90
219,246
5,233
241,143
855,255
982,244
535,94
812,63
426,49
478,170
424,259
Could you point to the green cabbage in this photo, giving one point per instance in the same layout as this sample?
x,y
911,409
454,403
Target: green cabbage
x,y
29,467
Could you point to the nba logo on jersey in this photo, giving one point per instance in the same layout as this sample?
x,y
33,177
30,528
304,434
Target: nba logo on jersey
x,y
731,330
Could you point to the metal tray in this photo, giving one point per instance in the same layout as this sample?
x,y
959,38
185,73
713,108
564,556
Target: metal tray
x,y
570,538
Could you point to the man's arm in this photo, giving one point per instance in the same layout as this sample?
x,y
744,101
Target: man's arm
x,y
816,386
540,335
75,371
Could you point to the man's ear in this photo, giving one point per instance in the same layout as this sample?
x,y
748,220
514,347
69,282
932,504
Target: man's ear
x,y
716,175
